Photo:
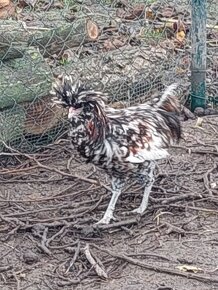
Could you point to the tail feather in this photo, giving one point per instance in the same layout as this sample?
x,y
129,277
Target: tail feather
x,y
168,101
170,108
173,124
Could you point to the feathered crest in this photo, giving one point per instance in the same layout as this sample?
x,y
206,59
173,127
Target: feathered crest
x,y
70,93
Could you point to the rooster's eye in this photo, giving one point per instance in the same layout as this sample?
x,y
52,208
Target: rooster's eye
x,y
77,106
87,107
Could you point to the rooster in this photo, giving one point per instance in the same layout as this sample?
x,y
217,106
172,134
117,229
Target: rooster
x,y
126,143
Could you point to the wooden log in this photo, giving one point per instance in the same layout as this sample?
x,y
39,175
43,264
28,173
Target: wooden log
x,y
118,76
16,50
50,37
54,32
29,122
11,124
56,40
127,74
41,116
24,79
4,3
7,9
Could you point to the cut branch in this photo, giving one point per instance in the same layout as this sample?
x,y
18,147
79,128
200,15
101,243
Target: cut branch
x,y
51,37
124,72
101,273
142,264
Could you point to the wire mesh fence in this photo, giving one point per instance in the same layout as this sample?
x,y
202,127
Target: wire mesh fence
x,y
129,49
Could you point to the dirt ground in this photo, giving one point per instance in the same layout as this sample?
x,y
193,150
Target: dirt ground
x,y
47,232
50,200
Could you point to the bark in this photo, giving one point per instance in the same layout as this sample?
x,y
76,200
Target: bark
x,y
28,122
50,37
24,79
11,125
127,74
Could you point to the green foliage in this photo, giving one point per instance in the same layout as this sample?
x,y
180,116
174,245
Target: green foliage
x,y
63,61
151,34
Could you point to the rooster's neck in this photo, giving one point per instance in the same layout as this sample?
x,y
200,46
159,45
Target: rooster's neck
x,y
89,129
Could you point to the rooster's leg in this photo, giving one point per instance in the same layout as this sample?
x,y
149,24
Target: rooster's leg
x,y
117,185
148,180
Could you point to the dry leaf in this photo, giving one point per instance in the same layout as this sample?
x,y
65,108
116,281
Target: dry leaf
x,y
138,10
212,38
118,42
180,36
120,13
21,4
68,55
167,12
179,26
122,3
189,268
167,45
113,44
70,17
134,13
4,3
180,71
108,45
149,14
58,5
24,3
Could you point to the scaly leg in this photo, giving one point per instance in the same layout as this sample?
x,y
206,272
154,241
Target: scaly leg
x,y
148,180
117,185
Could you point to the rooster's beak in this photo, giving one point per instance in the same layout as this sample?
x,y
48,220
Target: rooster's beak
x,y
73,112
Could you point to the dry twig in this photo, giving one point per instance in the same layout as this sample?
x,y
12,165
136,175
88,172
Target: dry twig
x,y
157,268
76,254
100,272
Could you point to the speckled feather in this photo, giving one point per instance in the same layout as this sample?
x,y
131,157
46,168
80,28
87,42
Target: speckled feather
x,y
124,142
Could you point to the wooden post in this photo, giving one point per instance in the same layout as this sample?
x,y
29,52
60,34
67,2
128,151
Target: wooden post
x,y
199,54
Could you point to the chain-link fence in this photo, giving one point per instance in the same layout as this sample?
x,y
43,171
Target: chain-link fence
x,y
129,49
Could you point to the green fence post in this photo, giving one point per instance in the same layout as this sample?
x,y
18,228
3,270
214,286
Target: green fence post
x,y
199,54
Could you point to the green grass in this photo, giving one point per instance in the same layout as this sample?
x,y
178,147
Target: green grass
x,y
153,35
63,61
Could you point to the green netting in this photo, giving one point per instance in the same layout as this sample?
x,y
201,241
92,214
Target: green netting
x,y
128,49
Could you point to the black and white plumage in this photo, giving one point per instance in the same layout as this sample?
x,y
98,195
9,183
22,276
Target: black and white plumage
x,y
124,142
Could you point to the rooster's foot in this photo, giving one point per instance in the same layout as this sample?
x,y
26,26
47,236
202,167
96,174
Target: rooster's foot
x,y
138,210
105,220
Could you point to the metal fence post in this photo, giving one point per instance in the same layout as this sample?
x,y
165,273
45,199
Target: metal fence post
x,y
199,54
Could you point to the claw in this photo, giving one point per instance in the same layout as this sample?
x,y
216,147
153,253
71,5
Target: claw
x,y
138,210
105,220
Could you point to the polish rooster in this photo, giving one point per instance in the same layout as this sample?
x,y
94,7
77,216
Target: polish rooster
x,y
124,142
